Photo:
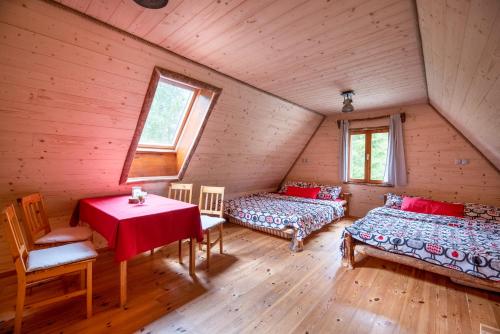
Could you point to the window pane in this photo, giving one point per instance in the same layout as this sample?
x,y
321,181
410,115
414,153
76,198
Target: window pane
x,y
379,155
357,162
166,114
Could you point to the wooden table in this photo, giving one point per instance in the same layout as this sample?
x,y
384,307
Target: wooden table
x,y
131,229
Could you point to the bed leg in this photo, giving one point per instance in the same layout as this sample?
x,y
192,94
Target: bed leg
x,y
296,245
349,251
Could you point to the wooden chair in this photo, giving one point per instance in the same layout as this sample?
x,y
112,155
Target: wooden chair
x,y
36,266
180,192
38,231
211,206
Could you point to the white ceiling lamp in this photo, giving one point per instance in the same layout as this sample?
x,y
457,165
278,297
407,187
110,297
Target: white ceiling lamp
x,y
152,4
348,107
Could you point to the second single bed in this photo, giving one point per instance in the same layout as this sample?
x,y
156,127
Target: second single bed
x,y
466,248
284,216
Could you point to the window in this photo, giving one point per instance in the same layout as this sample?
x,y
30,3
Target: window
x,y
172,119
368,155
167,116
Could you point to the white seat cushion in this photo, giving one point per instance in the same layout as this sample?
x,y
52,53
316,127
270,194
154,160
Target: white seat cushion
x,y
65,234
57,256
209,222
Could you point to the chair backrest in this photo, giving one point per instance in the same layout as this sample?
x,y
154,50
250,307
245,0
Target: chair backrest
x,y
211,200
181,192
37,223
15,238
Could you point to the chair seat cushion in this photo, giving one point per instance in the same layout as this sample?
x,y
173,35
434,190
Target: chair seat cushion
x,y
56,256
65,234
209,222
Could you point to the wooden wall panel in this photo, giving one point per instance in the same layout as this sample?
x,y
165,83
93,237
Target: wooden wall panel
x,y
153,164
431,147
306,51
71,92
461,44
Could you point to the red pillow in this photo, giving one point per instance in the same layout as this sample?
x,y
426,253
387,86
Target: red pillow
x,y
302,192
422,205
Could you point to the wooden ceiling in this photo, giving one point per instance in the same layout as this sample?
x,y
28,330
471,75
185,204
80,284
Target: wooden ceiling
x,y
461,43
303,51
307,51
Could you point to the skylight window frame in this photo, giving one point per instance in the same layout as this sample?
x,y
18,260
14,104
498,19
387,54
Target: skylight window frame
x,y
207,92
195,90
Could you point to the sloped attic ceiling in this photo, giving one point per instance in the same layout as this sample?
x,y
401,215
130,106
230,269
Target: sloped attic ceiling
x,y
461,44
303,51
307,51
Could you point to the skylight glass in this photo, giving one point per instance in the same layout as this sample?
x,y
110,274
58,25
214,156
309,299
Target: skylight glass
x,y
166,117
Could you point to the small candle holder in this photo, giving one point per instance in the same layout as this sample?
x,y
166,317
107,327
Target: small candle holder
x,y
136,191
141,199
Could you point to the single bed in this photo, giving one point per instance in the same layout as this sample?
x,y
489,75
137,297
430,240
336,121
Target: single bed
x,y
284,216
465,249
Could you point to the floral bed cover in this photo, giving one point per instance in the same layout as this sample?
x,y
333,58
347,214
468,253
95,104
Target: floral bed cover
x,y
277,211
469,246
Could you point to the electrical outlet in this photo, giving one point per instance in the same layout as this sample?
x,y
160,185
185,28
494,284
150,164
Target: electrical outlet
x,y
461,162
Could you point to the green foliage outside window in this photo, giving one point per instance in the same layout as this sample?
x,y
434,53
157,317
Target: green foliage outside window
x,y
166,114
379,155
377,160
357,163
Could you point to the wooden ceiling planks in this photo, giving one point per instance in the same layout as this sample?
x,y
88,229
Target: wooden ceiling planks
x,y
461,44
303,51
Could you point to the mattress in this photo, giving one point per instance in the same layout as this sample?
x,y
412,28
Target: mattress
x,y
279,212
469,246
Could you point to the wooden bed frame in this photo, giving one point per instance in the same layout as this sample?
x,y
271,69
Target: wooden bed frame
x,y
352,245
289,232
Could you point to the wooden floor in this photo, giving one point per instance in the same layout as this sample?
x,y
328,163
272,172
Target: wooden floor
x,y
260,287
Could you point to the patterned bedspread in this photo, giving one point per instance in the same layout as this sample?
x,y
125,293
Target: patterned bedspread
x,y
466,245
278,212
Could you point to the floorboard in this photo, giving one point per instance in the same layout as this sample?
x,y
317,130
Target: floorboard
x,y
259,286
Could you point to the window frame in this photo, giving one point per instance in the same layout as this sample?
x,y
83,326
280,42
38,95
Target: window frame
x,y
207,92
368,148
186,113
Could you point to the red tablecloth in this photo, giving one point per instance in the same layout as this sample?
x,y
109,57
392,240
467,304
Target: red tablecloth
x,y
131,229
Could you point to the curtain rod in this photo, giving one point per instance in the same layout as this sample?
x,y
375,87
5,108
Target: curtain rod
x,y
403,119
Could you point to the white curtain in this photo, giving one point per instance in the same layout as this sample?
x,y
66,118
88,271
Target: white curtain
x,y
395,167
344,151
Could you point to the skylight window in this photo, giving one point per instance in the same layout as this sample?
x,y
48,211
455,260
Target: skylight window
x,y
167,116
173,116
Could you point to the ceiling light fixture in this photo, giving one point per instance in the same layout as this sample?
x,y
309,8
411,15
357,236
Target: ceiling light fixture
x,y
152,4
348,107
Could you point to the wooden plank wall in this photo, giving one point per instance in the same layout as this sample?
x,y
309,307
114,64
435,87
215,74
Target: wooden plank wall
x,y
71,92
431,147
461,46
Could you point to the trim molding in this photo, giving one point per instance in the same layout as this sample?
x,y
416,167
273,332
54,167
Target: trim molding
x,y
419,38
